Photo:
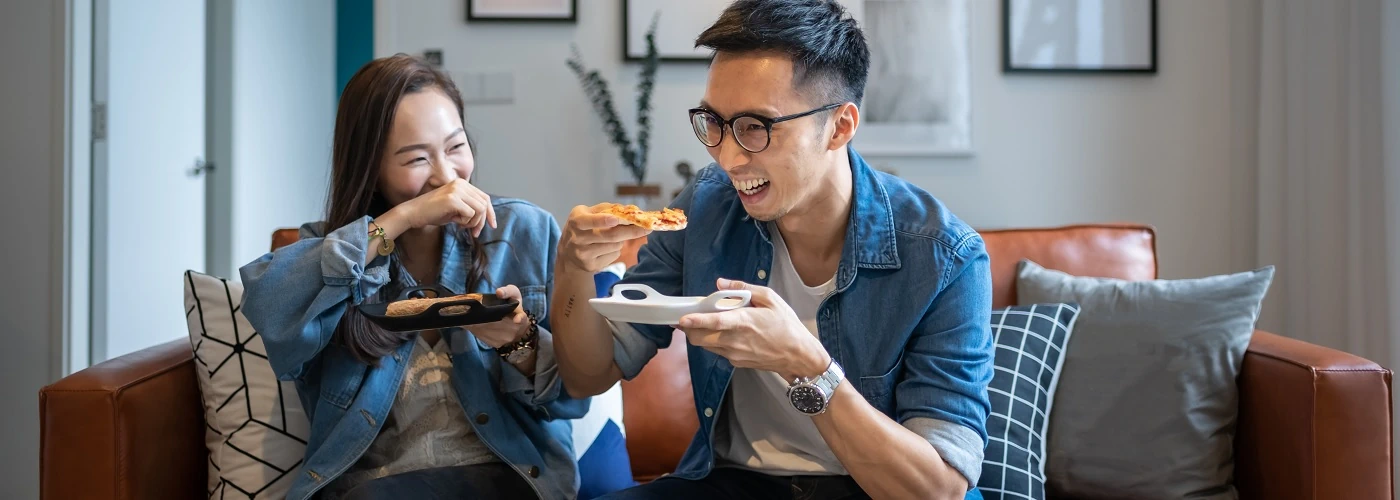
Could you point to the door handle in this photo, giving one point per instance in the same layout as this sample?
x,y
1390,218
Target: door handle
x,y
201,167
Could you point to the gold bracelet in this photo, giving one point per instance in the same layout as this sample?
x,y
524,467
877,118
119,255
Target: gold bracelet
x,y
378,232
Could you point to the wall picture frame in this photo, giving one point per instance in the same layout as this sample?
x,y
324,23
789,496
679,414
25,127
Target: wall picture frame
x,y
918,100
678,23
918,95
522,11
1079,36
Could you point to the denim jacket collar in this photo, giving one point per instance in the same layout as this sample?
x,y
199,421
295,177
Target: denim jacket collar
x,y
870,232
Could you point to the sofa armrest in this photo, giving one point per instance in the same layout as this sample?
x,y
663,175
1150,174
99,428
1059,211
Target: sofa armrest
x,y
1314,423
128,428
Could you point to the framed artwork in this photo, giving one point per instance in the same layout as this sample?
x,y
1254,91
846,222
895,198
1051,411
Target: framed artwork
x,y
918,99
551,11
678,23
1079,36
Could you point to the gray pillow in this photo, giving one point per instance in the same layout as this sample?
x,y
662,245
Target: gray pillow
x,y
1146,402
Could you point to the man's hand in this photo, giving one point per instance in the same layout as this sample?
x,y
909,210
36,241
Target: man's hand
x,y
592,241
766,336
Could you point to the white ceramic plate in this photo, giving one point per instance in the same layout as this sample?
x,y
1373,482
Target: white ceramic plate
x,y
658,309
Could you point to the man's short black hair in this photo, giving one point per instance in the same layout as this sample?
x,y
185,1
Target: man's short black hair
x,y
829,53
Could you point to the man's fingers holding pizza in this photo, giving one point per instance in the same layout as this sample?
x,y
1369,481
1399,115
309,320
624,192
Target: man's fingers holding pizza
x,y
603,261
585,219
614,234
597,233
621,233
593,251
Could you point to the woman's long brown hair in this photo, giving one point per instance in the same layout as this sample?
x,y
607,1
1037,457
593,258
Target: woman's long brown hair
x,y
362,124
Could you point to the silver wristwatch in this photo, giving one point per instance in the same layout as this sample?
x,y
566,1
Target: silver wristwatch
x,y
811,396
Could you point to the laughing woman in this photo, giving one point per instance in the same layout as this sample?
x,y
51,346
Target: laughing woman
x,y
474,412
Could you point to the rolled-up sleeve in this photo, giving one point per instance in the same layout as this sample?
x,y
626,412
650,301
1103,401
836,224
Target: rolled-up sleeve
x,y
295,296
942,394
632,349
342,255
959,445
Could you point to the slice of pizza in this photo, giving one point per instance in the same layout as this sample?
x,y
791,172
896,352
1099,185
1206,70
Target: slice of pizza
x,y
666,219
410,307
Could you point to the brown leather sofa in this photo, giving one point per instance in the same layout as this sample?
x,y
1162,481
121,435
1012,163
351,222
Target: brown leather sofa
x,y
1314,423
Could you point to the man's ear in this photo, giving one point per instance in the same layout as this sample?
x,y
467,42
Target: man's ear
x,y
846,120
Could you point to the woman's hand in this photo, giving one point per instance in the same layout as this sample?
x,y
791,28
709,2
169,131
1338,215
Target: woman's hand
x,y
457,201
509,329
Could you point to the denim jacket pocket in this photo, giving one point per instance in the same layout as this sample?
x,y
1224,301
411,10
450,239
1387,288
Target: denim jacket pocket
x,y
879,389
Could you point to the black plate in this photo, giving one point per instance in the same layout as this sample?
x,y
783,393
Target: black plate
x,y
490,309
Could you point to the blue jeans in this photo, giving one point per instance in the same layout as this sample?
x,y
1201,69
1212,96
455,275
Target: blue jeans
x,y
446,483
742,484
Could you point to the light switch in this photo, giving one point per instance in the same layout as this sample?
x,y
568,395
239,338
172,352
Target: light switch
x,y
469,85
485,87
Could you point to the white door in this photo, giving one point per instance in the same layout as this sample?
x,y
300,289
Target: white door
x,y
148,195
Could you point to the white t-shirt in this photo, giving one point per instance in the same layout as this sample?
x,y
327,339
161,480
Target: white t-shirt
x,y
760,428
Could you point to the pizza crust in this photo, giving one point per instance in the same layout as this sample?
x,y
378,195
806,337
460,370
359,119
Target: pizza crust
x,y
666,219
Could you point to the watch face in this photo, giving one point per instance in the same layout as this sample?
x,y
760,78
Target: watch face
x,y
807,399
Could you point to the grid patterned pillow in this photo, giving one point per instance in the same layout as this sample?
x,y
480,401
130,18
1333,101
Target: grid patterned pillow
x,y
1030,347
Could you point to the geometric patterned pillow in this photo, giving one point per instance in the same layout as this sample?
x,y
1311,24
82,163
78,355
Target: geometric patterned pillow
x,y
600,447
256,430
1030,350
600,438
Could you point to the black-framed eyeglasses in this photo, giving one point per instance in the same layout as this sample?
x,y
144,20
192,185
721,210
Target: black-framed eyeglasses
x,y
753,132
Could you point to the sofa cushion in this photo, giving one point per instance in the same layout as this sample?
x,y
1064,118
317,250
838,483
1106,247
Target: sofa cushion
x,y
1147,402
1030,345
604,466
256,432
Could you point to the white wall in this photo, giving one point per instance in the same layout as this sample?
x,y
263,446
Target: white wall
x,y
281,115
1050,150
31,163
1063,149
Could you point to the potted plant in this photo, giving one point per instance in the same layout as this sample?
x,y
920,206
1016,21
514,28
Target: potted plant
x,y
633,156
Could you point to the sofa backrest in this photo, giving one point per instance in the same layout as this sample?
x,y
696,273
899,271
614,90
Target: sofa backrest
x,y
658,405
1123,251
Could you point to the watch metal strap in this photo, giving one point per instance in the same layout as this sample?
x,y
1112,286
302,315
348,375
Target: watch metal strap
x,y
831,378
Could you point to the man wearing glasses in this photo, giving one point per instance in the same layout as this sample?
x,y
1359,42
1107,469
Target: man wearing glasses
x,y
862,367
